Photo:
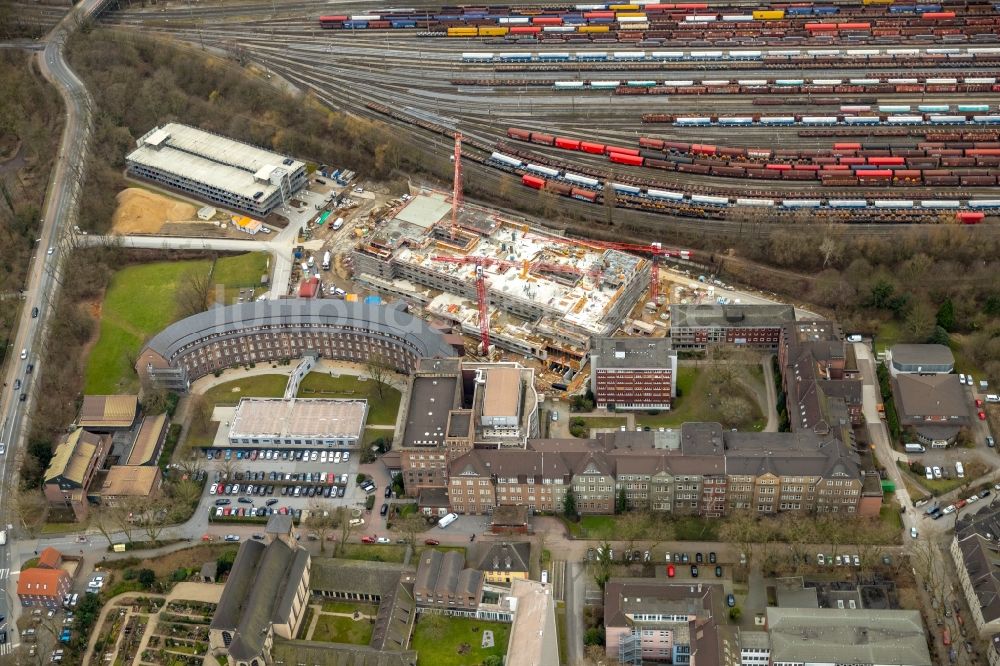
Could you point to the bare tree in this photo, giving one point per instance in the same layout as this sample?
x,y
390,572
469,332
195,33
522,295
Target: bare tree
x,y
123,518
103,520
193,293
741,530
411,526
320,521
342,519
830,249
30,508
380,371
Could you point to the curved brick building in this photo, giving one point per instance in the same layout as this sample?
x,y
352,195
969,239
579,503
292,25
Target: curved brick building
x,y
286,329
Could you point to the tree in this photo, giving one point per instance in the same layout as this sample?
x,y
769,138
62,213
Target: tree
x,y
146,577
101,518
920,320
740,529
830,249
735,613
193,293
621,502
380,371
594,636
30,508
493,660
946,315
411,526
342,520
200,410
569,505
435,625
602,573
939,337
154,399
321,521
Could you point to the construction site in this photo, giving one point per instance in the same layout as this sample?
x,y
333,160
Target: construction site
x,y
544,296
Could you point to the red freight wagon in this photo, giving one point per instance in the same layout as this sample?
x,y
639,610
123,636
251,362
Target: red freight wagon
x,y
621,151
545,139
820,27
647,142
847,146
533,181
598,15
525,30
835,167
593,148
969,217
874,174
546,20
778,167
855,161
519,134
977,152
621,158
567,144
584,195
702,149
938,15
886,161
854,26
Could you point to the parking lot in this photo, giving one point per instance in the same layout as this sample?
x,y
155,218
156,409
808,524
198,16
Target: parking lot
x,y
260,482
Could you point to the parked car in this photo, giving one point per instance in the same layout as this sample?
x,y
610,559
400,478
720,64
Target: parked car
x,y
913,533
383,540
694,570
434,542
718,571
821,559
711,557
671,571
384,511
367,539
730,600
232,537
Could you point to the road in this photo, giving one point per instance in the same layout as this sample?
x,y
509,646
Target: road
x,y
58,215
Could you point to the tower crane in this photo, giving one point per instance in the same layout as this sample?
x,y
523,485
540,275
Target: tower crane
x,y
481,293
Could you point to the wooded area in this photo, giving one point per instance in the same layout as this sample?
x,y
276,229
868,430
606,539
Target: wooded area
x,y
30,126
139,83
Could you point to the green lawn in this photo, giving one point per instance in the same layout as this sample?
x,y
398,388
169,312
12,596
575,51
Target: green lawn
x,y
381,411
693,405
890,515
373,552
337,629
371,434
138,304
461,643
888,335
349,607
973,470
605,422
315,385
682,528
239,272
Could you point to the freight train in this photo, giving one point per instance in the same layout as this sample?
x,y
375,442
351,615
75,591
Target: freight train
x,y
966,164
732,55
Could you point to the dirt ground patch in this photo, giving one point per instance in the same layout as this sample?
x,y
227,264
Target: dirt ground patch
x,y
142,211
188,558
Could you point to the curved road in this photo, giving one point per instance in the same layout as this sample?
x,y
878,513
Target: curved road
x,y
59,214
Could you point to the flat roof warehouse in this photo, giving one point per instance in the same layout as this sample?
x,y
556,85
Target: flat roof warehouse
x,y
307,421
216,161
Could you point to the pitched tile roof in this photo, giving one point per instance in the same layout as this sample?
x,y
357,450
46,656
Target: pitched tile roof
x,y
50,558
108,411
501,556
41,582
72,456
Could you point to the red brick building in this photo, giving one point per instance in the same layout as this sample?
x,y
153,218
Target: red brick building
x,y
43,587
633,373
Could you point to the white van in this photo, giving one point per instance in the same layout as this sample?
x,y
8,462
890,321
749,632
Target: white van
x,y
447,520
914,448
854,338
992,397
960,470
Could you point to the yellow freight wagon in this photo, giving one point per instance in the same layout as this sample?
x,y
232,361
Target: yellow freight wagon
x,y
769,14
877,2
623,8
461,32
488,31
633,26
595,28
630,15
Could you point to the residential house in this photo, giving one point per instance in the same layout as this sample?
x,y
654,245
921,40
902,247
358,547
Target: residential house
x,y
108,413
975,549
123,482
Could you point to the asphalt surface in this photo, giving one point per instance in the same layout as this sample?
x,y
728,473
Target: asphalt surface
x,y
59,214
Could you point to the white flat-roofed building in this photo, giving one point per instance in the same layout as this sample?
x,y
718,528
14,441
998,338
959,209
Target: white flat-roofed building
x,y
233,174
305,422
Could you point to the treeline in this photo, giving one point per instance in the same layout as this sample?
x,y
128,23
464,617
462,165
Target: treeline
x,y
138,82
30,125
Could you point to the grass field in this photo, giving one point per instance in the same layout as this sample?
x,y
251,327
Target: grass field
x,y
684,528
460,634
372,552
337,629
605,422
371,434
315,385
973,470
139,302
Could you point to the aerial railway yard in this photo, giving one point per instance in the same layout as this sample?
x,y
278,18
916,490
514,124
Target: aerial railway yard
x,y
847,112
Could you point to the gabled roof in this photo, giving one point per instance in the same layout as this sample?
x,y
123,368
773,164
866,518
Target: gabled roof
x,y
146,440
259,592
72,456
357,576
131,481
938,396
108,411
501,556
50,558
40,582
624,597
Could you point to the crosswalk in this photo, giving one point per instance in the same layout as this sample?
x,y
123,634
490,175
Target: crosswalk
x,y
4,573
6,648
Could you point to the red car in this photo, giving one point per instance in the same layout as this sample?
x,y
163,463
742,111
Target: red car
x,y
367,539
670,571
979,402
982,415
431,542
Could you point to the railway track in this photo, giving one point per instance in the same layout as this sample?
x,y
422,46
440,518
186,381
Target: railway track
x,y
402,70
